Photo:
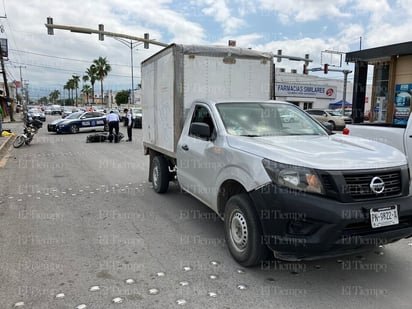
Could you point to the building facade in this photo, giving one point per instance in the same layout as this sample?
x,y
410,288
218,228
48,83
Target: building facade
x,y
392,82
309,91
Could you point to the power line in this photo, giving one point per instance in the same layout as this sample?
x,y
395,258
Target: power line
x,y
63,58
58,69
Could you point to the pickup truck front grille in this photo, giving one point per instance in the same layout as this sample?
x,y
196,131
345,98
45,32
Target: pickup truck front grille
x,y
358,185
353,186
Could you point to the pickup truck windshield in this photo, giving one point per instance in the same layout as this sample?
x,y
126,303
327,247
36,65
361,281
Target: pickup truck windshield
x,y
266,119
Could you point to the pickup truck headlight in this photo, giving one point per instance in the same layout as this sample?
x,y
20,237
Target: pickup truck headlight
x,y
293,177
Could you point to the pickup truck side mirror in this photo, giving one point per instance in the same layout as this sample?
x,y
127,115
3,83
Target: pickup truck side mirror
x,y
328,126
199,129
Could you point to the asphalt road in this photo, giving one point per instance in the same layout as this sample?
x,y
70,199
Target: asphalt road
x,y
80,227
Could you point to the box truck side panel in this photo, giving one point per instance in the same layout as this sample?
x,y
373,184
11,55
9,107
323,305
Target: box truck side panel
x,y
157,102
213,77
148,94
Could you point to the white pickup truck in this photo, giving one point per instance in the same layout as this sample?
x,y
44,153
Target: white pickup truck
x,y
398,136
277,178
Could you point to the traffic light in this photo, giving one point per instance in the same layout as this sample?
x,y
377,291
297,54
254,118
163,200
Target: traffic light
x,y
279,59
146,44
101,35
305,69
50,31
325,68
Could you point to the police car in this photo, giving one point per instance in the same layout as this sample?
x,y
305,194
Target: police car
x,y
80,121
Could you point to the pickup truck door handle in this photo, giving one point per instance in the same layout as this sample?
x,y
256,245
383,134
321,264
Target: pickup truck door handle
x,y
185,147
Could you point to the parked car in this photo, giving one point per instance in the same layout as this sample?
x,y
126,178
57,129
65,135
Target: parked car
x,y
35,113
67,110
79,121
56,110
336,120
48,110
137,117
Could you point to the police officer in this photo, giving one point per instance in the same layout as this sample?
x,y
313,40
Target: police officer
x,y
129,124
113,120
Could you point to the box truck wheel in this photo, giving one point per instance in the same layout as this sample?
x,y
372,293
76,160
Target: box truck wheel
x,y
243,232
160,174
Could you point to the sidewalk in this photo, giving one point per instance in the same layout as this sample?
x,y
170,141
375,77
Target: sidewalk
x,y
15,127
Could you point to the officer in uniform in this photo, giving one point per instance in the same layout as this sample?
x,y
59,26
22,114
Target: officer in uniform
x,y
129,124
113,120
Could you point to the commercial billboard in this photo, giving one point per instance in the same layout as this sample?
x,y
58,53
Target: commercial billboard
x,y
402,108
303,90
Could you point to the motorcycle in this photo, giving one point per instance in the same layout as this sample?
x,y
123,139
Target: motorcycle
x,y
31,126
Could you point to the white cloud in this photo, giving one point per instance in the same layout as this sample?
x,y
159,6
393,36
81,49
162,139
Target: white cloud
x,y
222,14
306,10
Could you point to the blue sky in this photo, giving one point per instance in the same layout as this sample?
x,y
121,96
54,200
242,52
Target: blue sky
x,y
297,27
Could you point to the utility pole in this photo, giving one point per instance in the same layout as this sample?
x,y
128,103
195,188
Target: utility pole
x,y
21,82
326,69
3,53
131,45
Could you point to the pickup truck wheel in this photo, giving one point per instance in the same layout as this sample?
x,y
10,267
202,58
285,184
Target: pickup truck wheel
x,y
243,231
333,124
160,174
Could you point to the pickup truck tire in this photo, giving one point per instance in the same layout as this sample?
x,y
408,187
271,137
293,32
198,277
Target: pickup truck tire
x,y
160,174
243,232
333,124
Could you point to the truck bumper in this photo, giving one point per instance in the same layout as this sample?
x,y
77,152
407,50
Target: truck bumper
x,y
301,226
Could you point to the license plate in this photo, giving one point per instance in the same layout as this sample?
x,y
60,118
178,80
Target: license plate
x,y
384,216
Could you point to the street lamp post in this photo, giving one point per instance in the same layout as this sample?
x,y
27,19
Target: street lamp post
x,y
131,45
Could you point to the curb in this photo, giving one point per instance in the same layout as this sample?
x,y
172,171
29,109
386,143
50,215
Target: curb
x,y
6,143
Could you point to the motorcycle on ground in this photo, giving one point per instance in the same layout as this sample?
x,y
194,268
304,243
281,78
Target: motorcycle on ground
x,y
31,126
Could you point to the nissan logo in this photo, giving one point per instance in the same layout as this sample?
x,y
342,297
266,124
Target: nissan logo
x,y
377,185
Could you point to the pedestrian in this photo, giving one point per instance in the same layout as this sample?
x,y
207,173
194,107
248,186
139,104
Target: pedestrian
x,y
129,124
113,120
1,121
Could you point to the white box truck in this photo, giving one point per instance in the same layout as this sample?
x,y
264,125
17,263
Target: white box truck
x,y
280,181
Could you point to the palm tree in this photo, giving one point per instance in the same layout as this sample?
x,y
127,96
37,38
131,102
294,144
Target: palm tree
x,y
67,87
102,69
76,80
70,85
91,75
54,95
87,90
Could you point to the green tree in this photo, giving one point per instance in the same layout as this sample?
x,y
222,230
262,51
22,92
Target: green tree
x,y
102,69
91,75
122,97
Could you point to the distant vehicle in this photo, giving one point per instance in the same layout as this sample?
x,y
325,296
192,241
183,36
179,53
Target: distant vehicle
x,y
79,121
48,110
137,117
67,110
56,110
35,113
335,119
